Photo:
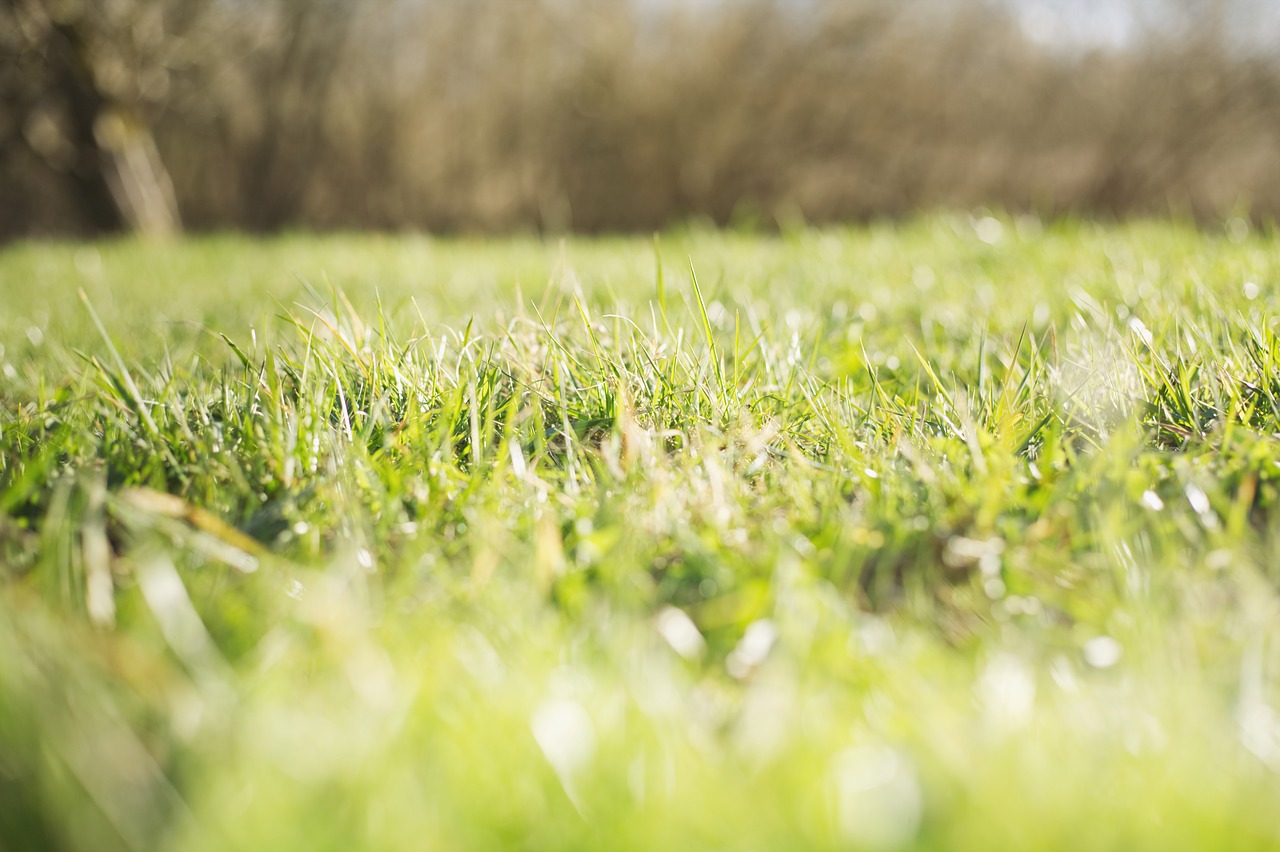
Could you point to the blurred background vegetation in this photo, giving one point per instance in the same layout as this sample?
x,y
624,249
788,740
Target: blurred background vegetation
x,y
608,115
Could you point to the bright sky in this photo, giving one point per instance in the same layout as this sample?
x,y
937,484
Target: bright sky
x,y
1252,24
1114,24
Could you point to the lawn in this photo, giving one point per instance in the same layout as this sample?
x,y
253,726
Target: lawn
x,y
956,534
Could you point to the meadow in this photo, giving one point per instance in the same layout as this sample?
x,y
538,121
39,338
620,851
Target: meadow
x,y
953,534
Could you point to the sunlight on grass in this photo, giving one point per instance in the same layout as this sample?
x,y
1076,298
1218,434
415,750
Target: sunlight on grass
x,y
936,536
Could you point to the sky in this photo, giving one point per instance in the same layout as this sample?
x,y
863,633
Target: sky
x,y
1111,24
1115,24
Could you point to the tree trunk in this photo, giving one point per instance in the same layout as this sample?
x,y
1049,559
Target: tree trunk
x,y
121,181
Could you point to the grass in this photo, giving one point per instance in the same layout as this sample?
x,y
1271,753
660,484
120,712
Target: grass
x,y
881,538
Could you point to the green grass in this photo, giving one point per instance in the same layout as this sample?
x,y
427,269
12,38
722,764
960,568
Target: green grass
x,y
882,538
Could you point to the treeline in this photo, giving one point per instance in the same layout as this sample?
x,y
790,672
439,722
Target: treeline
x,y
592,115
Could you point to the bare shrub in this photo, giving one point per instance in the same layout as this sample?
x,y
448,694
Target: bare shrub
x,y
625,115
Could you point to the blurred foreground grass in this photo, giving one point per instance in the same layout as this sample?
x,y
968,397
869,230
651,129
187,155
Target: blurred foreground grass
x,y
952,535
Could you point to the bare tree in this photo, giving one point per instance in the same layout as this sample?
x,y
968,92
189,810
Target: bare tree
x,y
621,114
85,76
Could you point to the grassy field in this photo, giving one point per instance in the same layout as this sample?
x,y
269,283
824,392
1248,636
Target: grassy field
x,y
954,535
